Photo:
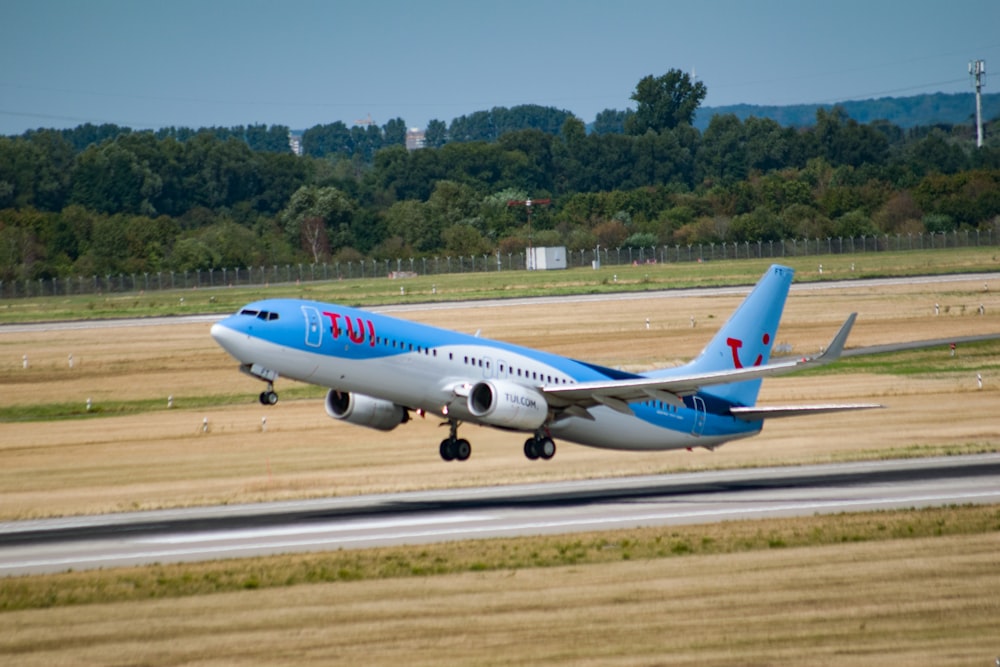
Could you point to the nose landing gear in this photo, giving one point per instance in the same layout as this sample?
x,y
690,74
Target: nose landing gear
x,y
268,396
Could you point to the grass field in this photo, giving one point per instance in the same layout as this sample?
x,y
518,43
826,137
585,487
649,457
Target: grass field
x,y
502,284
890,600
883,588
131,452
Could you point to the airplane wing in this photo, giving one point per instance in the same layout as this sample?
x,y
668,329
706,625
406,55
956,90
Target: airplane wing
x,y
765,412
616,394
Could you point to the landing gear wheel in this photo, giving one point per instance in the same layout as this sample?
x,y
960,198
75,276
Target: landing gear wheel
x,y
455,450
546,448
531,449
447,449
268,398
539,447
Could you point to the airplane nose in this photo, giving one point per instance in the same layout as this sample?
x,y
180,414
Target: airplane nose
x,y
226,338
218,331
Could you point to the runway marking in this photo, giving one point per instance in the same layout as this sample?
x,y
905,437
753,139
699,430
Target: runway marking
x,y
261,533
154,555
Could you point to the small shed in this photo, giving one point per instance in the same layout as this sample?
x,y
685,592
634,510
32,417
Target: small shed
x,y
546,259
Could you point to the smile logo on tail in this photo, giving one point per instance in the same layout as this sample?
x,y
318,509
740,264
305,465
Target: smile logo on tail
x,y
735,344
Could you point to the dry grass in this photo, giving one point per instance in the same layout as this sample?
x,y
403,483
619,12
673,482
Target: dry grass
x,y
160,458
899,601
927,601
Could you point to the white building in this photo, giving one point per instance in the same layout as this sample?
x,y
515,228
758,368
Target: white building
x,y
545,259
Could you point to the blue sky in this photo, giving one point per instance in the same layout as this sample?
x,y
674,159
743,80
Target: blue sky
x,y
300,63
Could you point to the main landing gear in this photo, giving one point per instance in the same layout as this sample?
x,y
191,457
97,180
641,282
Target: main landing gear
x,y
541,446
453,448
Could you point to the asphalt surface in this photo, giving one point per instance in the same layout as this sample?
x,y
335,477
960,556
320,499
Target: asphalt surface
x,y
198,534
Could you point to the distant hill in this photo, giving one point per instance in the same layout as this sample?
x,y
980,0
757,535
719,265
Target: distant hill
x,y
906,112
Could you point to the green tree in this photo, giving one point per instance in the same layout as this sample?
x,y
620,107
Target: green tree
x,y
722,155
854,224
841,140
280,175
641,240
660,158
273,139
528,160
967,198
322,140
394,133
610,121
310,215
759,225
232,245
218,173
401,174
611,233
770,147
410,221
109,244
111,178
491,125
664,102
193,254
22,253
436,134
935,154
464,240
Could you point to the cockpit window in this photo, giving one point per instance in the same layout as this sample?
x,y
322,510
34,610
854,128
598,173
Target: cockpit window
x,y
265,315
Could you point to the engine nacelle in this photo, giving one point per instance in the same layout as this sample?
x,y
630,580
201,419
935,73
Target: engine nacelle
x,y
507,404
365,410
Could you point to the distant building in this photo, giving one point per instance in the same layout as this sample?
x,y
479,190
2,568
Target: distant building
x,y
295,142
414,139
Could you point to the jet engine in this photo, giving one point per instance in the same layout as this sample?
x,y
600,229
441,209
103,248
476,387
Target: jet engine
x,y
365,410
508,405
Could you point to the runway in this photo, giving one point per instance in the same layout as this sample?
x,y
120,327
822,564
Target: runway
x,y
680,293
210,533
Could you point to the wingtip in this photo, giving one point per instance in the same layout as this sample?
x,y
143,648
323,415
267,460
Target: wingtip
x,y
836,347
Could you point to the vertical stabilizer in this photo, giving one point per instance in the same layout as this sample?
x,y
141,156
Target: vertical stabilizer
x,y
747,337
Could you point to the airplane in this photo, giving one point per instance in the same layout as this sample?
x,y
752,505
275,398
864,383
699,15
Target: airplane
x,y
379,370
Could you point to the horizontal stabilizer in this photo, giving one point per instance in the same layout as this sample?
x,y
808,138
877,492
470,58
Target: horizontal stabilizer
x,y
762,412
671,389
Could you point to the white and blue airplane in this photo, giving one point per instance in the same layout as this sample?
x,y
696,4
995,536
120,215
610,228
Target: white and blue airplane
x,y
380,369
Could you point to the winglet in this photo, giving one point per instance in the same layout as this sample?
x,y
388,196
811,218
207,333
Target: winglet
x,y
836,346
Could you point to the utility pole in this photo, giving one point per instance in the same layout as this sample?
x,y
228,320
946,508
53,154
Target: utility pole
x,y
977,69
527,204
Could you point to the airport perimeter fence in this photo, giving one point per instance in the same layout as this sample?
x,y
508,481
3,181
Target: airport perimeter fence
x,y
440,265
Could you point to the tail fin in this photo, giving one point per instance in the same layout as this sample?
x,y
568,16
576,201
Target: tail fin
x,y
747,337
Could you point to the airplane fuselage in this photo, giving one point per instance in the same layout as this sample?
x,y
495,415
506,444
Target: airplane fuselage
x,y
428,369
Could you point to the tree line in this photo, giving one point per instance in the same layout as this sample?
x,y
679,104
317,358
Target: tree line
x,y
101,200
